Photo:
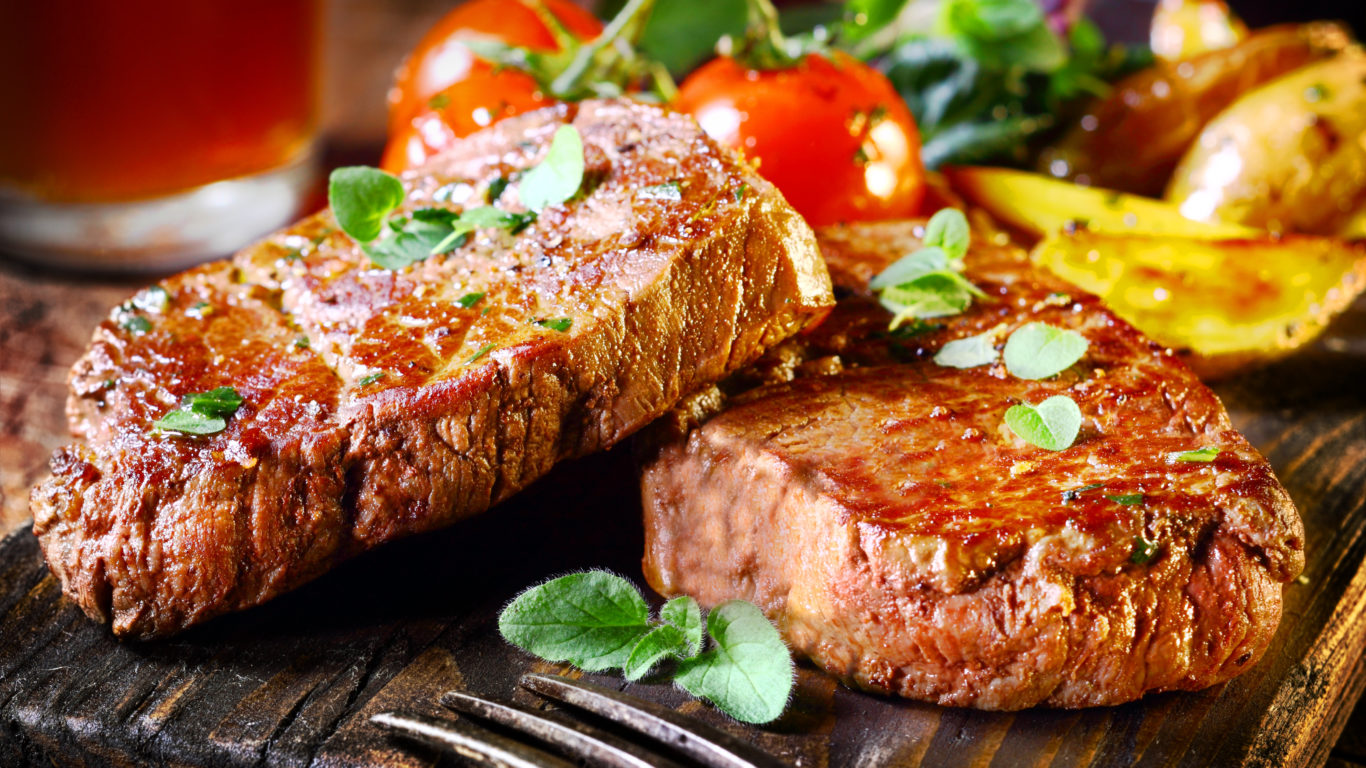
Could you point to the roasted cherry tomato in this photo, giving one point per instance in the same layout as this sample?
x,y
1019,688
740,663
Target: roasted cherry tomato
x,y
830,132
443,91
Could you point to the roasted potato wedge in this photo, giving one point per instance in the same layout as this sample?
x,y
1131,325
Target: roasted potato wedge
x,y
1225,305
1290,156
1038,206
1182,29
1133,139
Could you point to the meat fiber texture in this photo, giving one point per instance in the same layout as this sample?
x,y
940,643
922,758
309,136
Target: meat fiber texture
x,y
877,507
378,405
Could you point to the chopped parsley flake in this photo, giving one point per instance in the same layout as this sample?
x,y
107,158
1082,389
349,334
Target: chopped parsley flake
x,y
470,299
136,324
560,324
1144,550
1206,454
1072,494
484,350
1127,499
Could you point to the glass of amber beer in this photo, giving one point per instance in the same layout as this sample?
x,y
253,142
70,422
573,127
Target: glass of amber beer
x,y
140,135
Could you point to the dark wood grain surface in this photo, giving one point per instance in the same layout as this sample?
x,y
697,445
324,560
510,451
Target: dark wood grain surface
x,y
294,682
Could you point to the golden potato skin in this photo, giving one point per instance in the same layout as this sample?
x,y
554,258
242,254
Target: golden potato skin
x,y
1185,28
1290,156
1034,206
1131,140
1224,305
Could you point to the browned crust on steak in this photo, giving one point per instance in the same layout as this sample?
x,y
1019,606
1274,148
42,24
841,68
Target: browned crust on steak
x,y
156,532
909,543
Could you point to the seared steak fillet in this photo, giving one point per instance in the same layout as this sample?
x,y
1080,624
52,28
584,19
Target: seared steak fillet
x,y
378,403
877,507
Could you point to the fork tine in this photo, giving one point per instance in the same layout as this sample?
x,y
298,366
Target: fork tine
x,y
578,740
475,744
701,742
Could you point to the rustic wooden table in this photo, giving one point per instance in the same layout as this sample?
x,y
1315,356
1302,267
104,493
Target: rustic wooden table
x,y
294,682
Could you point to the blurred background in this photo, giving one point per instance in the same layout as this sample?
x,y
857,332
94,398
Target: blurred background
x,y
148,135
367,38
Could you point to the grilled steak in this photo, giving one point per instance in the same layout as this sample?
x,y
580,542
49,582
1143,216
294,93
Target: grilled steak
x,y
379,404
907,541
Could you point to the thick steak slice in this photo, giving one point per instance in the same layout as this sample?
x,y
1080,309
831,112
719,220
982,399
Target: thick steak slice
x,y
379,403
908,542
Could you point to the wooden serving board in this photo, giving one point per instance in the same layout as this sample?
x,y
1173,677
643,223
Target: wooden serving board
x,y
294,682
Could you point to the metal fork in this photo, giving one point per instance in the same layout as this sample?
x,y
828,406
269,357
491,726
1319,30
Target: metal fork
x,y
682,735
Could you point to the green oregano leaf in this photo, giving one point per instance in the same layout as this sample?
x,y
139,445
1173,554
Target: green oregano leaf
x,y
1052,425
592,620
948,231
362,199
684,613
909,267
202,413
1206,454
1039,350
968,352
559,176
748,674
662,642
596,620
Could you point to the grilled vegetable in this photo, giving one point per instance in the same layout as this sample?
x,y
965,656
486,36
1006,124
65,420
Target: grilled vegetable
x,y
1133,139
1185,28
1228,304
1040,206
1287,156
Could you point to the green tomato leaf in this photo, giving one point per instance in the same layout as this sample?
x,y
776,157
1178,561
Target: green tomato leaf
x,y
969,352
1039,350
662,642
1206,454
749,673
948,230
685,614
592,620
362,198
559,175
865,17
1052,425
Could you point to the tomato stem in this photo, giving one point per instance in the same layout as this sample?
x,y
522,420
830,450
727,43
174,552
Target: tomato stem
x,y
612,58
765,46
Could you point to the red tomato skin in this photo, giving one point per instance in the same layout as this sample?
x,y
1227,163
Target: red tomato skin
x,y
443,80
831,133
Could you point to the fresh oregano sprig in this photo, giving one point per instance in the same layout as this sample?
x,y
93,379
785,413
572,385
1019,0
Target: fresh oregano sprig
x,y
364,201
929,282
596,621
202,413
